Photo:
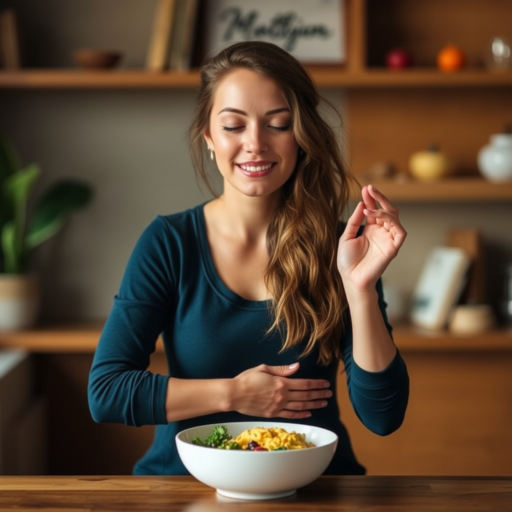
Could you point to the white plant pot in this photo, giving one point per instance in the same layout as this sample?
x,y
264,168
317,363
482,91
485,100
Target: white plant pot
x,y
495,159
19,301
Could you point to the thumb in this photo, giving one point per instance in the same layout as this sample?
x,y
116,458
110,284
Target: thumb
x,y
283,370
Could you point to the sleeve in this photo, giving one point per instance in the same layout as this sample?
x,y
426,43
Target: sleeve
x,y
120,389
379,398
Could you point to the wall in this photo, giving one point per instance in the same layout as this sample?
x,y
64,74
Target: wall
x,y
131,146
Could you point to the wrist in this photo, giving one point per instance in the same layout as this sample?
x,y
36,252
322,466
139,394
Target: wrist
x,y
356,296
227,394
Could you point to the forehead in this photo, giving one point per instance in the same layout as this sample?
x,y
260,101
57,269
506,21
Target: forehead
x,y
246,90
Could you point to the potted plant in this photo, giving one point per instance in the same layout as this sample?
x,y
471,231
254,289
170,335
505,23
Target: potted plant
x,y
20,235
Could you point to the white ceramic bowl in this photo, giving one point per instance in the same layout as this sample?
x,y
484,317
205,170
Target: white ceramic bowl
x,y
247,474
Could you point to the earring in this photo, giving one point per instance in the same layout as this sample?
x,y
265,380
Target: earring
x,y
212,157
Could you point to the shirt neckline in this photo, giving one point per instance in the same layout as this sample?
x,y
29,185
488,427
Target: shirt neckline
x,y
216,282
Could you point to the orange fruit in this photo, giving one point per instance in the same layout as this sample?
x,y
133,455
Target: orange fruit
x,y
451,58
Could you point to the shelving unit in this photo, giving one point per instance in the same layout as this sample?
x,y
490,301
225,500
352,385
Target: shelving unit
x,y
325,77
423,105
83,338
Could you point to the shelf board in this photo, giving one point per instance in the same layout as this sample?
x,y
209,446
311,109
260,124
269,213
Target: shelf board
x,y
411,339
78,79
76,338
454,189
324,76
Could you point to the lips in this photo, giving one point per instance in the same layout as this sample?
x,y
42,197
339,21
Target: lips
x,y
257,166
256,169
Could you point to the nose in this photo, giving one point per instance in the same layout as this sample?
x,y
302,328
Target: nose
x,y
255,140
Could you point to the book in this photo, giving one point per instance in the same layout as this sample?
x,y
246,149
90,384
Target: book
x,y
161,35
439,287
182,45
189,32
9,40
470,240
177,35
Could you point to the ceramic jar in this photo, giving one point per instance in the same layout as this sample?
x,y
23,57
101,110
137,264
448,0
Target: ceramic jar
x,y
495,159
19,301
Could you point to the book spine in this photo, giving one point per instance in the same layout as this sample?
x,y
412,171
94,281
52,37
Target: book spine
x,y
189,29
9,41
158,52
177,35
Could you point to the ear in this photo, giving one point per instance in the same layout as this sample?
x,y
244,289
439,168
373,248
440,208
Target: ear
x,y
208,139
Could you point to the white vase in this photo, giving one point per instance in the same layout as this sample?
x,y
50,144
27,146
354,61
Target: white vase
x,y
19,301
495,159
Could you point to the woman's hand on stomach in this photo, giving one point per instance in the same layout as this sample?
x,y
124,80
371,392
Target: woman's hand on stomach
x,y
268,392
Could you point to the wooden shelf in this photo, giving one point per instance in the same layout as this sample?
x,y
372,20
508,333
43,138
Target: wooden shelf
x,y
84,338
327,77
455,189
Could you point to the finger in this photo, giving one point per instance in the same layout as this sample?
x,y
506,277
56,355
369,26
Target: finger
x,y
281,371
306,406
296,385
383,200
386,218
383,215
354,222
390,223
294,415
307,396
368,198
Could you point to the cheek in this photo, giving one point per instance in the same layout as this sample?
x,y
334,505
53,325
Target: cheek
x,y
224,144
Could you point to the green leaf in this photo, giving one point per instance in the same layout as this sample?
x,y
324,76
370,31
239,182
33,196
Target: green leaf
x,y
16,188
54,208
15,191
9,248
9,160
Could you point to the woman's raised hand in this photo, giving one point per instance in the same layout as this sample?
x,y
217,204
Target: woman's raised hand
x,y
267,391
362,260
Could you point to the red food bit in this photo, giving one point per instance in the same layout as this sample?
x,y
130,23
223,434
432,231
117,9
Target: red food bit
x,y
260,449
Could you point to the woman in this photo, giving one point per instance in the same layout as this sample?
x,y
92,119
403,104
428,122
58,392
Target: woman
x,y
261,292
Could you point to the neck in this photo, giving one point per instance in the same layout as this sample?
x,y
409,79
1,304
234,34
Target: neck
x,y
247,218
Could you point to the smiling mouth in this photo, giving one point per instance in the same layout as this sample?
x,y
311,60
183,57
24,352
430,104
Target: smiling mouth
x,y
256,168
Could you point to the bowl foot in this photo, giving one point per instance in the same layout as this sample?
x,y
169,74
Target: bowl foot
x,y
253,496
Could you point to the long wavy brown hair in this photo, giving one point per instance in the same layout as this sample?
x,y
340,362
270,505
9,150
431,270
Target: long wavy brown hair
x,y
308,299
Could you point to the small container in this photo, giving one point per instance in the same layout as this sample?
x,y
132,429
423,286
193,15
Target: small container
x,y
495,159
472,319
92,59
499,55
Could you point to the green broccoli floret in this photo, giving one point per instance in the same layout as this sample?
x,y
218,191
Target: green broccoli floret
x,y
280,448
218,437
198,441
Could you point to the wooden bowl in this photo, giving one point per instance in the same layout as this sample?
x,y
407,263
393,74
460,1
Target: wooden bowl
x,y
96,59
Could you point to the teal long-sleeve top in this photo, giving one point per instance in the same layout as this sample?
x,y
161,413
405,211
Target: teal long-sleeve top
x,y
171,287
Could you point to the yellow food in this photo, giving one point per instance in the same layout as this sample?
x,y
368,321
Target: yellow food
x,y
272,438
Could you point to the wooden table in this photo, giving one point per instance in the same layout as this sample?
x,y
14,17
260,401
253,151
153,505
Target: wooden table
x,y
185,494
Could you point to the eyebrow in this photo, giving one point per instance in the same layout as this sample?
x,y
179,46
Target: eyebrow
x,y
269,113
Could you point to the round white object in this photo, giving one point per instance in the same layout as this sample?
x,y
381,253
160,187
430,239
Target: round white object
x,y
257,475
495,159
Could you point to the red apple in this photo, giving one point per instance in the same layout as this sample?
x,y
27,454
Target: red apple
x,y
398,58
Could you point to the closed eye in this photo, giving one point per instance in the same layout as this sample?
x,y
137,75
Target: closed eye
x,y
232,129
239,128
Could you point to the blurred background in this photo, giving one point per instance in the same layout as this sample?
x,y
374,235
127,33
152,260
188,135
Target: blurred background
x,y
122,130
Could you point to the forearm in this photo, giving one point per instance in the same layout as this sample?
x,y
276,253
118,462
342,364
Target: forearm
x,y
373,347
196,397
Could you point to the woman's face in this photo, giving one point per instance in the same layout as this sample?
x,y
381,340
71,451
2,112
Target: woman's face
x,y
251,134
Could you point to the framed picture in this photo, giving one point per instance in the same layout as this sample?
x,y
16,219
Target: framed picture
x,y
314,31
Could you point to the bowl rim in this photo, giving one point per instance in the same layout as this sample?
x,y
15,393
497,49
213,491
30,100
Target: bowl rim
x,y
266,424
